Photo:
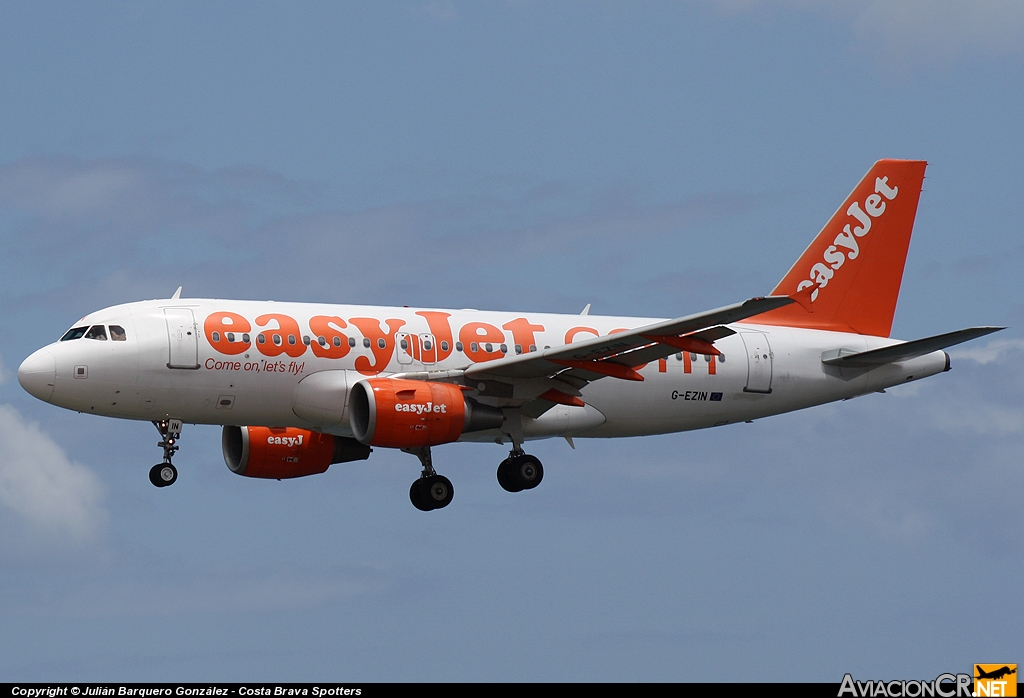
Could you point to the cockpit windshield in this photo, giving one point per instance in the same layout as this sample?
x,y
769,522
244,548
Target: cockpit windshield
x,y
97,332
74,333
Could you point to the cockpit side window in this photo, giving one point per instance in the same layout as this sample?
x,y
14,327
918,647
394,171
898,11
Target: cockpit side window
x,y
97,332
74,333
117,333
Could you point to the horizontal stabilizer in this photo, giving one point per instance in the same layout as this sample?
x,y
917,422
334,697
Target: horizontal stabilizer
x,y
904,350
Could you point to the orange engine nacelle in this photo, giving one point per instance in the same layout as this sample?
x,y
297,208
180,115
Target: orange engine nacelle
x,y
285,452
398,413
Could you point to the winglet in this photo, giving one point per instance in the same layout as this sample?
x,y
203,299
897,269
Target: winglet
x,y
177,294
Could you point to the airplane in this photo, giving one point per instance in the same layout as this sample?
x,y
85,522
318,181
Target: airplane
x,y
298,387
995,673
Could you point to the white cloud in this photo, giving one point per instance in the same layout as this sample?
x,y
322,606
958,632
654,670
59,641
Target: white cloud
x,y
905,33
939,30
39,483
988,353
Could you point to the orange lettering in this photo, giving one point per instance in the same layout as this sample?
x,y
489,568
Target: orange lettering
x,y
371,329
328,327
571,334
479,333
219,325
523,333
442,331
284,339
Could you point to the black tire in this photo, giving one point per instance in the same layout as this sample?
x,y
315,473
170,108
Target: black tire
x,y
438,492
526,472
505,476
417,494
163,474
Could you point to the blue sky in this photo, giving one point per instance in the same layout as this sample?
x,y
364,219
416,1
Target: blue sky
x,y
652,159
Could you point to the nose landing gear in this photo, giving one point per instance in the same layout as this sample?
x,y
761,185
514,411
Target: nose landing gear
x,y
164,474
431,491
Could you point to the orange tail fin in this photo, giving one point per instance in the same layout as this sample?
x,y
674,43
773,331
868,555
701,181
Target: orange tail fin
x,y
855,264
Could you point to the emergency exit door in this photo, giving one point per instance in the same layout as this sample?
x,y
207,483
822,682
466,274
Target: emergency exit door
x,y
759,362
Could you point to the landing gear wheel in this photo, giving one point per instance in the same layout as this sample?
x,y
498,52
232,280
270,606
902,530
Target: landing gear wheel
x,y
417,495
525,472
439,491
163,474
432,492
505,476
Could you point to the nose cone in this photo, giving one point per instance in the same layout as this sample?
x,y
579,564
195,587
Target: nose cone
x,y
37,374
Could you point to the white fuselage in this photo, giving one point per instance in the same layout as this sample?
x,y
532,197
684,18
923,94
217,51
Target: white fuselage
x,y
172,365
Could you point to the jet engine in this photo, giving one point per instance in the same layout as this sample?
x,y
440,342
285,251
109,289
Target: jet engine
x,y
398,413
286,452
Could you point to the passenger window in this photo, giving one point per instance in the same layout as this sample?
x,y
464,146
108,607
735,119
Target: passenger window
x,y
74,333
351,342
118,334
444,346
382,344
366,342
97,332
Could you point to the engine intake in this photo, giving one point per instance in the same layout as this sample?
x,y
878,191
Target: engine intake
x,y
286,452
398,413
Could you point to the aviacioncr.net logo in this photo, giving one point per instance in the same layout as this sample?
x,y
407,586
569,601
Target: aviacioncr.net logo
x,y
943,686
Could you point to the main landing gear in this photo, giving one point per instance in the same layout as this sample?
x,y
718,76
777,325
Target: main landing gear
x,y
164,474
431,491
520,471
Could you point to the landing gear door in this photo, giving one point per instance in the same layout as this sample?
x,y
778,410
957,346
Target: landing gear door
x,y
759,362
183,338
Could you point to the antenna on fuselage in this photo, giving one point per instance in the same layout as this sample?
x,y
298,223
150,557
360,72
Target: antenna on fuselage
x,y
177,294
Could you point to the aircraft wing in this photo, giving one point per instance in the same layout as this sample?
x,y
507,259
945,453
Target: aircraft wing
x,y
904,350
616,355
